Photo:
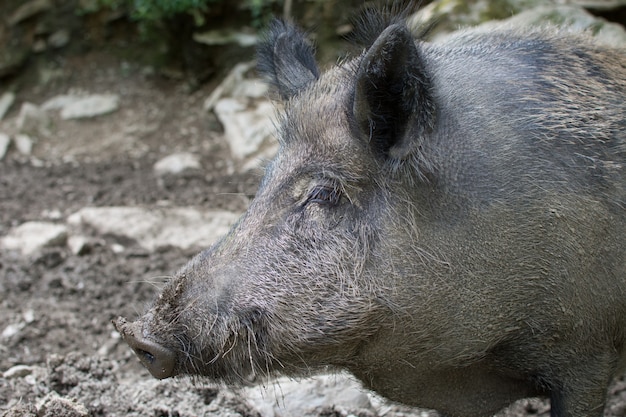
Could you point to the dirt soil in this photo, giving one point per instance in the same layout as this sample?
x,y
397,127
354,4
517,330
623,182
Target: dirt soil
x,y
56,307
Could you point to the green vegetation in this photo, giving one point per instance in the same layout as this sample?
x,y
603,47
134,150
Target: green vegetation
x,y
154,10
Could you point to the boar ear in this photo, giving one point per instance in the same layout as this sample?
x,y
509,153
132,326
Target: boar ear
x,y
392,104
286,59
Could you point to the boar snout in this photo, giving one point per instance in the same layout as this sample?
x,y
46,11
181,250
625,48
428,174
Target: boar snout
x,y
159,360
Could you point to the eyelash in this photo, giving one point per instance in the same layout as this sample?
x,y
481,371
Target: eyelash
x,y
324,195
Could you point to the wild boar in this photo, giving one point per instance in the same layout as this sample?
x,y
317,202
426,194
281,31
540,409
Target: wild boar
x,y
445,221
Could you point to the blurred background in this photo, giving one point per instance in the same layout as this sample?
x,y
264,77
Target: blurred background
x,y
133,134
199,39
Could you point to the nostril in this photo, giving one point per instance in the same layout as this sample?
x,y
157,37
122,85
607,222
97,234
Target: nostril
x,y
145,355
159,360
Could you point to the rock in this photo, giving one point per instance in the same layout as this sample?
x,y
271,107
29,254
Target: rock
x,y
29,9
59,39
117,248
5,141
39,46
225,37
597,4
20,409
23,144
6,101
33,120
11,330
248,129
30,237
236,85
153,228
90,106
286,397
29,316
17,371
446,16
59,102
53,405
247,119
572,18
51,214
12,58
78,244
177,163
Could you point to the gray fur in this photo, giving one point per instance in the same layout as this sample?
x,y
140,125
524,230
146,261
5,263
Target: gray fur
x,y
474,256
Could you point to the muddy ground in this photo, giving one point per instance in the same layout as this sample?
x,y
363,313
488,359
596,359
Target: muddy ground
x,y
59,354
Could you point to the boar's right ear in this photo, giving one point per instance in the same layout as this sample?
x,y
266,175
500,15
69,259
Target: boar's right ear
x,y
392,103
286,59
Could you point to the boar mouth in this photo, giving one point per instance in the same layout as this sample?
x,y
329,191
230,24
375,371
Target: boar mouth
x,y
229,363
159,360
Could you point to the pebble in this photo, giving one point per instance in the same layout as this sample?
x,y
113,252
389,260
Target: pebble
x,y
90,106
11,330
12,58
59,39
32,236
54,405
29,9
29,316
78,244
23,143
248,128
237,85
6,101
156,227
177,163
17,371
33,120
5,141
286,397
58,102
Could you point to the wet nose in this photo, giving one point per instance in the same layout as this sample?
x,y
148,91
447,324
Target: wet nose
x,y
159,360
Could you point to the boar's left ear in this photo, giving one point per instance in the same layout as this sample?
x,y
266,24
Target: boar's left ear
x,y
392,104
286,59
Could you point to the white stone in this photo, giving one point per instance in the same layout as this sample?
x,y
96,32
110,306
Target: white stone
x,y
182,227
23,144
250,87
571,18
30,237
177,163
446,16
286,397
11,330
33,120
597,4
237,85
53,402
5,141
52,214
77,244
17,371
59,39
248,128
29,316
117,248
225,37
60,101
6,101
29,9
90,106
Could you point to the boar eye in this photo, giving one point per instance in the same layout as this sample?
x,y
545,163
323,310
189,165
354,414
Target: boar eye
x,y
324,195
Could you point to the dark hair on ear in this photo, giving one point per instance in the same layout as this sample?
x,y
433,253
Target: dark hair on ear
x,y
373,19
286,58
